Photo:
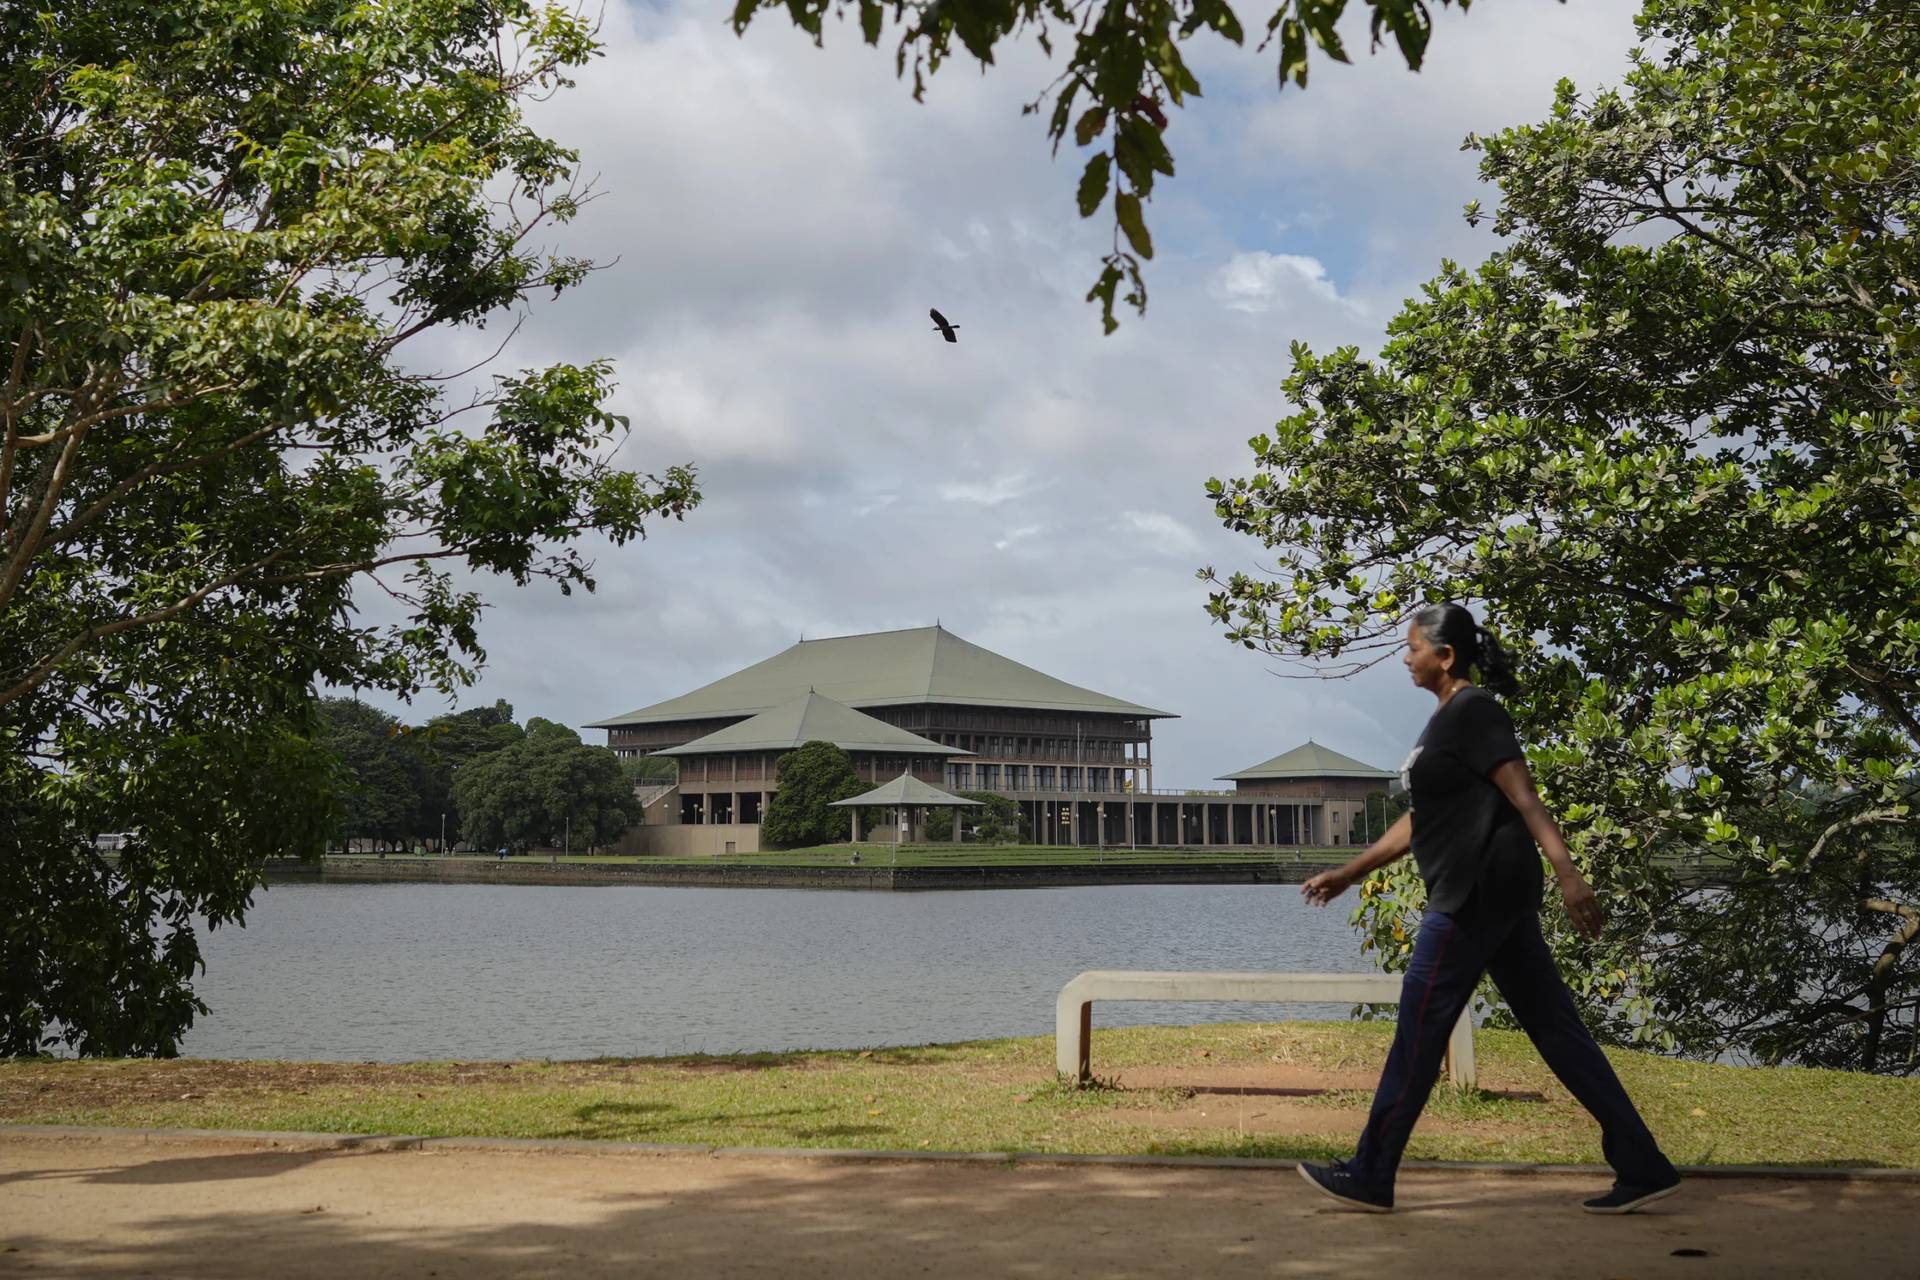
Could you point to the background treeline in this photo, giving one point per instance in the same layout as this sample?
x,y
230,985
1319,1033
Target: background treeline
x,y
479,777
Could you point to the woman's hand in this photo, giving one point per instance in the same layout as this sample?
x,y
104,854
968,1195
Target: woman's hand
x,y
1583,908
1326,886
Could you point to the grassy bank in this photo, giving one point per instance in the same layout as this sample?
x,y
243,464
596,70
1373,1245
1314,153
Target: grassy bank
x,y
1266,1089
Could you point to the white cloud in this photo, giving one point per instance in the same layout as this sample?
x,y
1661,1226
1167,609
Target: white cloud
x,y
1168,535
1262,281
988,493
1015,537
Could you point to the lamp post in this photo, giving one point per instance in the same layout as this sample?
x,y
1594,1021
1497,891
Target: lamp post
x,y
443,833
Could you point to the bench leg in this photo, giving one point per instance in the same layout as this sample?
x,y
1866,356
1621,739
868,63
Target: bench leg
x,y
1073,1039
1460,1070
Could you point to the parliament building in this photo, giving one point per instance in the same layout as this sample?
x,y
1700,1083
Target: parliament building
x,y
952,714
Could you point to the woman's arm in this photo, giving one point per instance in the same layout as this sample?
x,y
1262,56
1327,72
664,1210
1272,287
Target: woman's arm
x,y
1328,885
1516,783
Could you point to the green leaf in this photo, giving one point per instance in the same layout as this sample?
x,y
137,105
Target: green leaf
x,y
1293,53
1094,180
1126,208
1089,127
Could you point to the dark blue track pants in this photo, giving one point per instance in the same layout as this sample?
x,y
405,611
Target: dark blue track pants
x,y
1449,955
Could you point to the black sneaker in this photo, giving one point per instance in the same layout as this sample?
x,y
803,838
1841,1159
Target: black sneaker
x,y
1336,1181
1626,1198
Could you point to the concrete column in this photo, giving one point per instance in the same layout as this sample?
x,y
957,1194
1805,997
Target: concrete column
x,y
956,824
853,830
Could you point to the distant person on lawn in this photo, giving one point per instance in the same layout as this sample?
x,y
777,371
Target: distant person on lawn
x,y
1473,826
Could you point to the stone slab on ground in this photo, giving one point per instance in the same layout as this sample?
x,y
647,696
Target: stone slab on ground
x,y
228,1208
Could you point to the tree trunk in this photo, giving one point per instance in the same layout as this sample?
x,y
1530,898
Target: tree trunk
x,y
1883,977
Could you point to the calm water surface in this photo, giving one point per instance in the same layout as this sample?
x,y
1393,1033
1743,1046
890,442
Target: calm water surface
x,y
402,971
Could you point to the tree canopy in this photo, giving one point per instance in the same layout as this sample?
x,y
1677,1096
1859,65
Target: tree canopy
x,y
545,789
812,776
998,820
1667,438
220,225
1123,71
383,796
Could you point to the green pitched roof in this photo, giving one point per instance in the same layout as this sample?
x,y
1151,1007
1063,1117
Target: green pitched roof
x,y
883,669
1309,760
904,790
812,718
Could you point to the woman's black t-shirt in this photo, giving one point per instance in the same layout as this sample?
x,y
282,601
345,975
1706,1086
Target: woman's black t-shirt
x,y
1466,835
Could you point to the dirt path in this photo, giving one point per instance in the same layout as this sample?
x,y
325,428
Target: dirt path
x,y
215,1209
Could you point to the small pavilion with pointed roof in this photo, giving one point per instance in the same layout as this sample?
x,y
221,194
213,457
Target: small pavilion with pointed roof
x,y
908,797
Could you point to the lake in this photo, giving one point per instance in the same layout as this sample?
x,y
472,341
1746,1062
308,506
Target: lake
x,y
392,972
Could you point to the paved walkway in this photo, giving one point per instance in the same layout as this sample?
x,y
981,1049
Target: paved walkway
x,y
122,1207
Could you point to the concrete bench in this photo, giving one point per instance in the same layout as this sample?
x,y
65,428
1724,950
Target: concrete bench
x,y
1073,1013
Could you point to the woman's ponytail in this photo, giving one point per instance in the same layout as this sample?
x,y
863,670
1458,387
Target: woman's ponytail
x,y
1495,667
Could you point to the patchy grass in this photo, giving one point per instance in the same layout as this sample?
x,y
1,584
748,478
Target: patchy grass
x,y
1267,1089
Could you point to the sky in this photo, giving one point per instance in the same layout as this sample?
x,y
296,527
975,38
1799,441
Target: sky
x,y
776,220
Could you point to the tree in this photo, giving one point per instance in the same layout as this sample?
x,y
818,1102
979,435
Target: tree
x,y
220,224
812,776
1379,811
1669,437
998,820
381,794
446,743
1125,69
547,788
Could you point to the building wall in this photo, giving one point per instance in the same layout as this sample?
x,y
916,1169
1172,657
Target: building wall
x,y
687,840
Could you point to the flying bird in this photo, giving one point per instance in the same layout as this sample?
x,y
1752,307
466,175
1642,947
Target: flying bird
x,y
940,323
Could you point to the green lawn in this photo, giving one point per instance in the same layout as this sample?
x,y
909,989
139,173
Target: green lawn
x,y
1214,1090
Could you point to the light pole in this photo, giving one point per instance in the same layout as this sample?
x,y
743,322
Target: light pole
x,y
443,833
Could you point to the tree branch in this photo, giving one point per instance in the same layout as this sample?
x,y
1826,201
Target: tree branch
x,y
100,631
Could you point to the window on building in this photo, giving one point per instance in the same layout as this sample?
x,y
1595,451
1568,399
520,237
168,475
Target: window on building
x,y
1070,779
1044,777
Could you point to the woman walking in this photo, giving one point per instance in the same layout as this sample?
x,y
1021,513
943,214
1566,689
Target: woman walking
x,y
1473,826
